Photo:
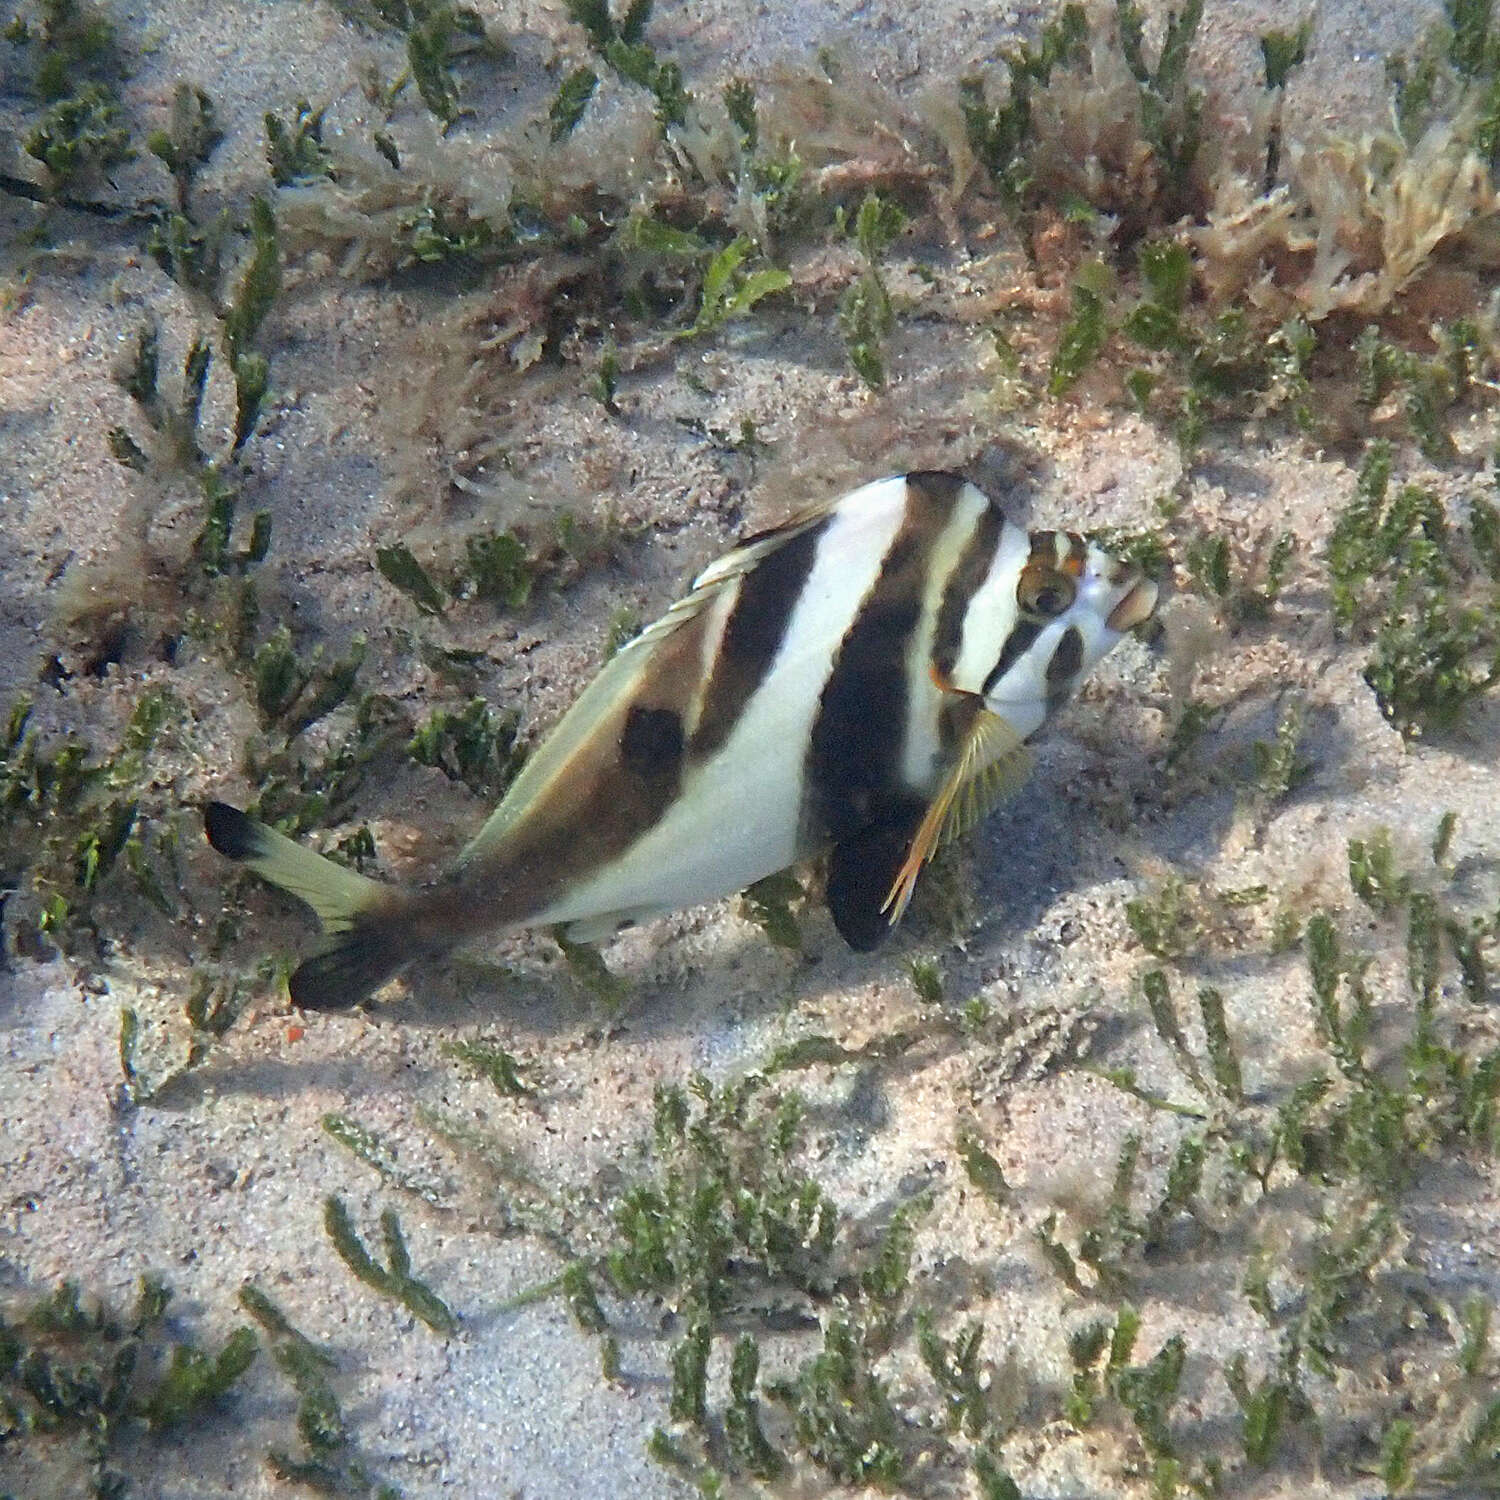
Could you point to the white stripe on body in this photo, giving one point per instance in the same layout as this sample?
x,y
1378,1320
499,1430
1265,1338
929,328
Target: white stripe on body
x,y
718,620
924,703
738,816
992,611
1020,697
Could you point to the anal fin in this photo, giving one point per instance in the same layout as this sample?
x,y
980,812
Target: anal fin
x,y
861,871
601,929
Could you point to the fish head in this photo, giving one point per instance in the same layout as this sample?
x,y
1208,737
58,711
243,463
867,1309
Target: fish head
x,y
1062,607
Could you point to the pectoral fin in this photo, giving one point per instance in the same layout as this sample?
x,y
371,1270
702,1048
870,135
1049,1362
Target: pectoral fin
x,y
992,764
860,872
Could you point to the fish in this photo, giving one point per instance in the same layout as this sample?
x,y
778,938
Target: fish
x,y
862,680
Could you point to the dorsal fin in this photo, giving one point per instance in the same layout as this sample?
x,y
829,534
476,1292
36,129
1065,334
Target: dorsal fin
x,y
749,552
617,679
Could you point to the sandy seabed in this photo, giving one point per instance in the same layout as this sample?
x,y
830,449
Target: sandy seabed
x,y
223,1179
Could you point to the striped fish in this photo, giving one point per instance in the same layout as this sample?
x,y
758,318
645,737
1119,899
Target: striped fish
x,y
861,679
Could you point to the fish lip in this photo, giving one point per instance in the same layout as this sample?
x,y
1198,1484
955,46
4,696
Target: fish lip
x,y
1134,609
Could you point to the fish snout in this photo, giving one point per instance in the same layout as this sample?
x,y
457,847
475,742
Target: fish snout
x,y
1135,606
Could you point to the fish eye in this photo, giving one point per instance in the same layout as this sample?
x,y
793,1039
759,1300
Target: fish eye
x,y
1045,591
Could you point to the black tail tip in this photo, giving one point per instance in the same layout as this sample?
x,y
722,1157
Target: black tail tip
x,y
233,834
350,971
312,988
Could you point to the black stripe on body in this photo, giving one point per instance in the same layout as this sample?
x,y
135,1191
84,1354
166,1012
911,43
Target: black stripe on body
x,y
752,637
973,568
1022,634
854,756
1063,668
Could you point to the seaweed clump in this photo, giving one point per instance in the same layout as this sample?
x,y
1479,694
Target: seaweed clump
x,y
76,65
1248,250
1396,1084
1351,225
79,1381
1424,589
69,820
1086,114
328,1462
732,1231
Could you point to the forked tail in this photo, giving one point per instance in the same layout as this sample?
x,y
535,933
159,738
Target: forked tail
x,y
370,923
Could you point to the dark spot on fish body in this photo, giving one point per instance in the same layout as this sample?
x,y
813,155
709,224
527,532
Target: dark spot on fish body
x,y
752,636
619,794
617,787
651,743
1020,640
1063,668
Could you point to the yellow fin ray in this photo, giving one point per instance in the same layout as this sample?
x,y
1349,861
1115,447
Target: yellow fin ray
x,y
992,764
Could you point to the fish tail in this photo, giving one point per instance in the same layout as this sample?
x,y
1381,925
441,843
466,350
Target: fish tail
x,y
351,969
372,925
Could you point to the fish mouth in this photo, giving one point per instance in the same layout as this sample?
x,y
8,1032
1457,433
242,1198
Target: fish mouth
x,y
1134,609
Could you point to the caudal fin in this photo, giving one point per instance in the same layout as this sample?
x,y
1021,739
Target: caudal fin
x,y
372,944
352,969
